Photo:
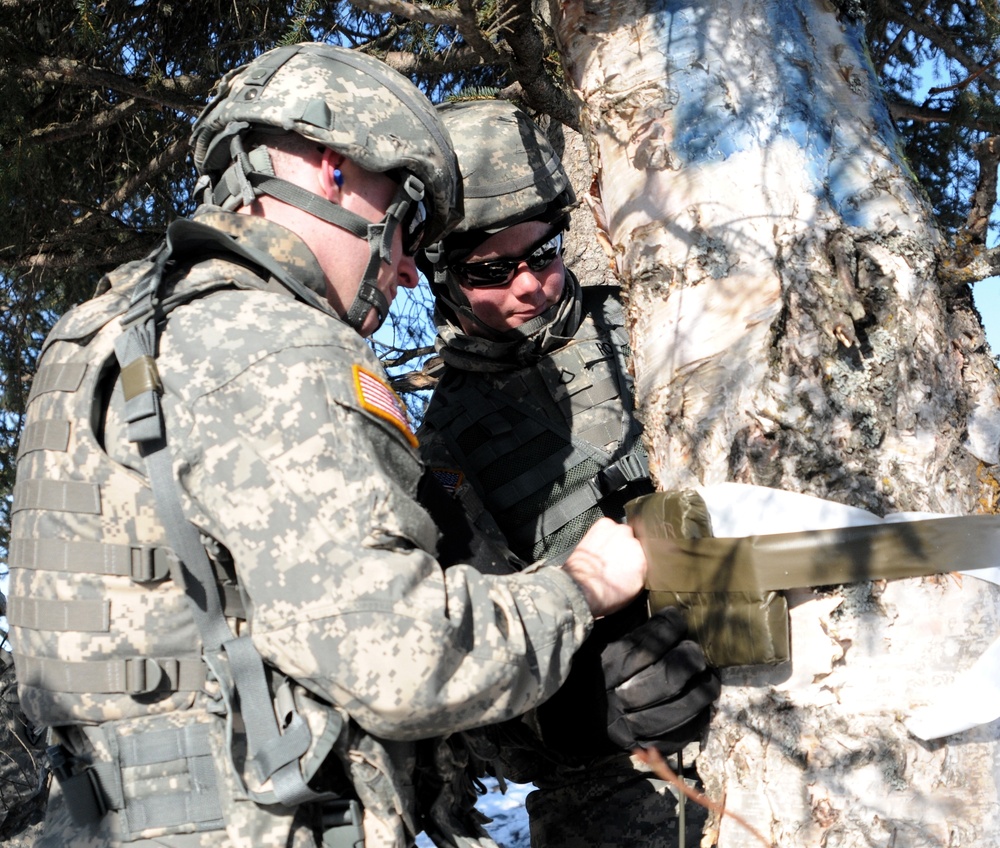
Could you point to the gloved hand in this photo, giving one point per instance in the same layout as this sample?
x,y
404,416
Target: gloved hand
x,y
659,689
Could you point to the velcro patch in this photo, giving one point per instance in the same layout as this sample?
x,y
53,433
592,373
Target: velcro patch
x,y
449,478
377,397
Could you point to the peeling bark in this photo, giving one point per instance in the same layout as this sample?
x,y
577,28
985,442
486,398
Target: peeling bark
x,y
790,330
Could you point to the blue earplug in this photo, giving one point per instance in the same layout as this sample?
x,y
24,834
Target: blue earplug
x,y
338,177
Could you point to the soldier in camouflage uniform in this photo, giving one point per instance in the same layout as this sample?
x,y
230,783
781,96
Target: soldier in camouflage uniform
x,y
224,599
532,426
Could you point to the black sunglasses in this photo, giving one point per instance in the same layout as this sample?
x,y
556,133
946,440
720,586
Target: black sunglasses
x,y
499,272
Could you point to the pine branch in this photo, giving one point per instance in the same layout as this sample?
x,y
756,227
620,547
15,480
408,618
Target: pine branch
x,y
56,133
523,35
454,59
984,198
901,110
434,15
174,152
164,93
929,30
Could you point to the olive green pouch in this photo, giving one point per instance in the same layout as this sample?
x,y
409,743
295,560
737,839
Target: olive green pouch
x,y
735,621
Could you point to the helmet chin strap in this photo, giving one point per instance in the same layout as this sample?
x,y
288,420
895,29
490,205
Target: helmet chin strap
x,y
252,175
379,238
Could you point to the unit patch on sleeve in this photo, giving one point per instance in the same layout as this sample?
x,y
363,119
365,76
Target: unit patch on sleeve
x,y
378,398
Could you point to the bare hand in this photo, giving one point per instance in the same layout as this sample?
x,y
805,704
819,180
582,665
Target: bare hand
x,y
609,566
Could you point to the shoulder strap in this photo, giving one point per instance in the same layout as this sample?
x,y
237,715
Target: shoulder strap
x,y
272,751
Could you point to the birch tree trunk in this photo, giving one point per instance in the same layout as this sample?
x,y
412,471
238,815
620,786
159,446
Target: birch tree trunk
x,y
779,263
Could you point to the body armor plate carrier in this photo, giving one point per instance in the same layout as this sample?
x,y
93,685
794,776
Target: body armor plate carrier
x,y
142,715
551,447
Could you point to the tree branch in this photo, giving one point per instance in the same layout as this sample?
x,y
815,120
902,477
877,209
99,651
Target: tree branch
x,y
524,35
897,41
173,153
64,132
905,111
930,31
47,259
464,20
164,93
966,82
436,15
984,199
979,263
453,59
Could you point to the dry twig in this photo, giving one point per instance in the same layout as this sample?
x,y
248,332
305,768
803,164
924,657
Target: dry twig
x,y
652,758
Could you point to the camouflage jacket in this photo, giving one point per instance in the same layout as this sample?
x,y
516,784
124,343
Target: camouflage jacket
x,y
297,465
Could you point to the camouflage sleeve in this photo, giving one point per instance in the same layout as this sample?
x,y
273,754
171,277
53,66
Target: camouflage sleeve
x,y
310,482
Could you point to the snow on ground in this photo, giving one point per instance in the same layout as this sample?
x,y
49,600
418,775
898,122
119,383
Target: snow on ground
x,y
509,827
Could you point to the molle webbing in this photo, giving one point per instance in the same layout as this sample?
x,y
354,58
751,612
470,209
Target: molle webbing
x,y
141,563
730,588
189,802
43,435
65,377
58,495
543,480
130,675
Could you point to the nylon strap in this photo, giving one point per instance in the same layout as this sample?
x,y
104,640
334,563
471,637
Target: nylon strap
x,y
307,201
142,564
160,746
755,564
64,377
44,435
83,616
57,495
132,675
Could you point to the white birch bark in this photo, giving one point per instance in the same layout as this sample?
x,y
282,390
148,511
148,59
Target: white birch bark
x,y
789,331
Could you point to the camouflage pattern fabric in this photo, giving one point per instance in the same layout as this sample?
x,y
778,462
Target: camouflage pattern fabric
x,y
348,101
298,466
511,173
479,434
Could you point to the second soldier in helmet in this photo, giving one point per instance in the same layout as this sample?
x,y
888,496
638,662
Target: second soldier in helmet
x,y
532,428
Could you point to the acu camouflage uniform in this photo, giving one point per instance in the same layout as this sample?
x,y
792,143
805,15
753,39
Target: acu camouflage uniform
x,y
296,464
535,434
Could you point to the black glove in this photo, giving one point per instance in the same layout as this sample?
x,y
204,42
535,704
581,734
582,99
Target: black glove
x,y
660,691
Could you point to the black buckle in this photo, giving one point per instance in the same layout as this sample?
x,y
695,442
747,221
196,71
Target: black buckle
x,y
81,792
619,474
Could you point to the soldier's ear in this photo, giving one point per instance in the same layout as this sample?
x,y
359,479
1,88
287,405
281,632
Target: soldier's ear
x,y
330,176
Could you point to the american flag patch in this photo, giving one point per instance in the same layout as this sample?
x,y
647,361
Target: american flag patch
x,y
376,396
449,478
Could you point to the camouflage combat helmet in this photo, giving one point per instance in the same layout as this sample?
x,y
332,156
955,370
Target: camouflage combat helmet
x,y
353,104
510,174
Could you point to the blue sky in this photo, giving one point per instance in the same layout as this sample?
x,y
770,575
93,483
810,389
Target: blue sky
x,y
987,296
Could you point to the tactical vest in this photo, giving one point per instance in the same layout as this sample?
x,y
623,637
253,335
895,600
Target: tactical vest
x,y
552,447
148,734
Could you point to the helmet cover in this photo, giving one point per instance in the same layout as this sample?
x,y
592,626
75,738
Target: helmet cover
x,y
510,171
347,101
